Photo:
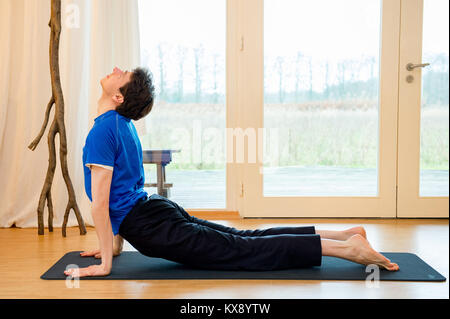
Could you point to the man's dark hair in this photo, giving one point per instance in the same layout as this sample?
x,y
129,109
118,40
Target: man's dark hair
x,y
138,95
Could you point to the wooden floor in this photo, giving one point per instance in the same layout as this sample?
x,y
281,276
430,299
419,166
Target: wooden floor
x,y
25,256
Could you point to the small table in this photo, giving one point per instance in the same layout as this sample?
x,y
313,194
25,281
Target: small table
x,y
161,158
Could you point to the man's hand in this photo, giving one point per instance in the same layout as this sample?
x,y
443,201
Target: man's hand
x,y
117,249
93,270
97,254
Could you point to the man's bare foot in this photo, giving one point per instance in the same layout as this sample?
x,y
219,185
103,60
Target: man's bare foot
x,y
342,234
360,251
359,230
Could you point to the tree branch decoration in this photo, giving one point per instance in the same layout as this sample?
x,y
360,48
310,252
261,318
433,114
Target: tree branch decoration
x,y
57,126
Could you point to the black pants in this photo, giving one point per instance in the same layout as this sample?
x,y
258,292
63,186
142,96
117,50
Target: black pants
x,y
158,227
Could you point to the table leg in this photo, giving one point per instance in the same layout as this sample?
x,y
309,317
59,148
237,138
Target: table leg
x,y
160,181
165,191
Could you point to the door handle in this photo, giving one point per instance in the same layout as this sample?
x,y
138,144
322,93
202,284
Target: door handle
x,y
411,66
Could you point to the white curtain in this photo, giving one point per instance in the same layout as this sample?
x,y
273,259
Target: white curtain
x,y
95,37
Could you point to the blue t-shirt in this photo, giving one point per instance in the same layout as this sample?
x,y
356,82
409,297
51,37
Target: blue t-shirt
x,y
113,143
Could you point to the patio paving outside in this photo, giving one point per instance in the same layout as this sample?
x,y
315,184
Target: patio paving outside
x,y
207,188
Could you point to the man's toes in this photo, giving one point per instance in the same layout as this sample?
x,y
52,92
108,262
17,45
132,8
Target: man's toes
x,y
392,267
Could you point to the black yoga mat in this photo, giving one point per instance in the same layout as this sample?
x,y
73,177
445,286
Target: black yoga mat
x,y
135,266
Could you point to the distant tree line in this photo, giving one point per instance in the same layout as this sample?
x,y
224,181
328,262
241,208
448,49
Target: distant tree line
x,y
347,79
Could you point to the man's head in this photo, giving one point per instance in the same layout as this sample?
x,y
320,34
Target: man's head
x,y
131,92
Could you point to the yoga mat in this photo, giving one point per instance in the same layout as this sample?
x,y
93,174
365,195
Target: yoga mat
x,y
135,266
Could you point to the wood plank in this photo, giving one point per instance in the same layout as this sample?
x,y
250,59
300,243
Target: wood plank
x,y
25,256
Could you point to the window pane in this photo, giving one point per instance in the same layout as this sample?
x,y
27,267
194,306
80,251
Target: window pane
x,y
183,44
321,85
434,102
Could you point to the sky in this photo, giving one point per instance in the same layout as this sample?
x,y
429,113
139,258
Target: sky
x,y
311,26
187,22
435,35
326,30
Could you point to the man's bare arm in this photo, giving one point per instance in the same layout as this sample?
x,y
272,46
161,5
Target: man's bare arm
x,y
101,184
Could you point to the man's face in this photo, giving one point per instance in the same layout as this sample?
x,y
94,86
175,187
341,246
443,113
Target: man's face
x,y
113,82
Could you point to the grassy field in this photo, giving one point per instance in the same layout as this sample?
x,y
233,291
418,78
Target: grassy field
x,y
324,134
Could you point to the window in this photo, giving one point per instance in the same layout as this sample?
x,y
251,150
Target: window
x,y
321,97
188,66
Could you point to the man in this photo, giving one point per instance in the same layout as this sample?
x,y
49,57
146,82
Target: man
x,y
158,227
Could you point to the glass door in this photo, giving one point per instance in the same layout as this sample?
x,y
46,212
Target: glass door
x,y
319,108
423,176
184,44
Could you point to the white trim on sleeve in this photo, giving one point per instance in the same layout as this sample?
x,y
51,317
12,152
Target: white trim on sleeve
x,y
104,166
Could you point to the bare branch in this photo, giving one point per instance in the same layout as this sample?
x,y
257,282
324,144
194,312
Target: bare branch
x,y
35,142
